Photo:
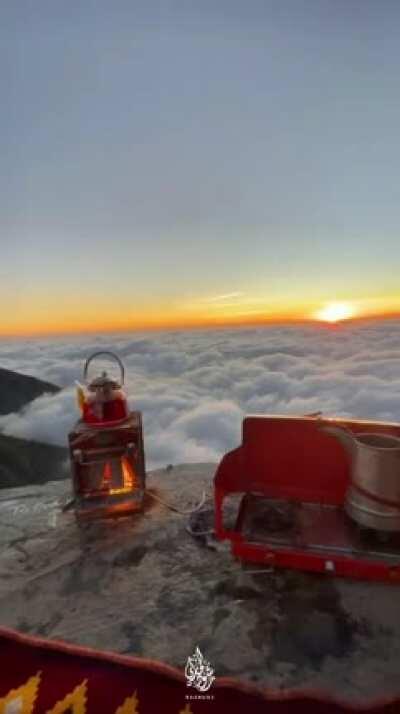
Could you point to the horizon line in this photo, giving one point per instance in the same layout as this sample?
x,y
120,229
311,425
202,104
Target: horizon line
x,y
220,325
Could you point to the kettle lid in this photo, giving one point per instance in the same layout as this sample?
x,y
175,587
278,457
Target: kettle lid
x,y
103,381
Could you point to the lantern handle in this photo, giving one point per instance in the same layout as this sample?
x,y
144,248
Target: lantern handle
x,y
110,354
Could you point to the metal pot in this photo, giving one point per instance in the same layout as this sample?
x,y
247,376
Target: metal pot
x,y
373,497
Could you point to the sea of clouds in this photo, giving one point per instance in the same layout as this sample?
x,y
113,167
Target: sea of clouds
x,y
194,387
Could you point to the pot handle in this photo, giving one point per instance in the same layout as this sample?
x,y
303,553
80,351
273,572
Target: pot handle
x,y
109,354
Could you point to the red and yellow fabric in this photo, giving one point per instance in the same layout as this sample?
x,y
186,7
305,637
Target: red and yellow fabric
x,y
38,676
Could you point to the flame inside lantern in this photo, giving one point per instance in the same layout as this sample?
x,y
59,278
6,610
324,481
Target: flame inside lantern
x,y
128,478
107,477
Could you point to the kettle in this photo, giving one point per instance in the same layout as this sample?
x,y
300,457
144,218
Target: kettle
x,y
103,402
373,496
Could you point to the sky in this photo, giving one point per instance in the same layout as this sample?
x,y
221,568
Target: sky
x,y
177,164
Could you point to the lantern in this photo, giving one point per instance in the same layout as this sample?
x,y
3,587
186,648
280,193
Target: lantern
x,y
106,448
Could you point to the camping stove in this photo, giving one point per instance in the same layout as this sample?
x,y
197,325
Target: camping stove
x,y
293,480
106,450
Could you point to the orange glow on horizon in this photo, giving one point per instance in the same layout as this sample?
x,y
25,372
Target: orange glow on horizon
x,y
35,321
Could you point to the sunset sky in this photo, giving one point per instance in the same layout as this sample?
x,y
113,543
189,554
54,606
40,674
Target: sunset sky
x,y
179,164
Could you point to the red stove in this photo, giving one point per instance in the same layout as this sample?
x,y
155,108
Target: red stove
x,y
106,447
308,502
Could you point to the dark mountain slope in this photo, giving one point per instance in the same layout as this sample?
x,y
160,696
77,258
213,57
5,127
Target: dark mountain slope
x,y
24,462
17,390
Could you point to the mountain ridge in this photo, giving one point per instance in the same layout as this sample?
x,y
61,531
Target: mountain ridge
x,y
17,390
23,461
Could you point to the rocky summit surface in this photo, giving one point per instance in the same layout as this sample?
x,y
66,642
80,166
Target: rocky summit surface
x,y
143,585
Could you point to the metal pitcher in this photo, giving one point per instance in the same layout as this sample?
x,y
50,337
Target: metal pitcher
x,y
373,497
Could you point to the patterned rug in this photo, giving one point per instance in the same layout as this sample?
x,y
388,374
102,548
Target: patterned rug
x,y
39,676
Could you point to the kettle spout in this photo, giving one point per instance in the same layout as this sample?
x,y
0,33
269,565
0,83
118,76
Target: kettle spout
x,y
343,435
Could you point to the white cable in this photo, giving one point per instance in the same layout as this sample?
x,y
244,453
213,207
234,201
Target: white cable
x,y
175,508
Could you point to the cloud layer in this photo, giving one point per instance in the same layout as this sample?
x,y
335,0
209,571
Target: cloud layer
x,y
194,387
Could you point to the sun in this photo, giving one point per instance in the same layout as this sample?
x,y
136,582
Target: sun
x,y
335,312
